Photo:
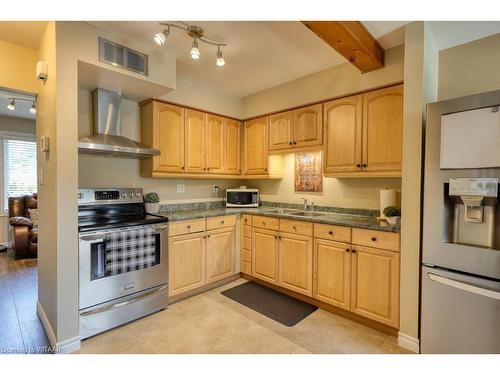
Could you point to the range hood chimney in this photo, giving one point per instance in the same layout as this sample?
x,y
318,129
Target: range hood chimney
x,y
107,122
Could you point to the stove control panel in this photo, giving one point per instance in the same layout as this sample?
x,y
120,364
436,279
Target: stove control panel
x,y
109,196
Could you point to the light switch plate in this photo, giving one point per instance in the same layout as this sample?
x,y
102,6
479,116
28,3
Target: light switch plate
x,y
181,188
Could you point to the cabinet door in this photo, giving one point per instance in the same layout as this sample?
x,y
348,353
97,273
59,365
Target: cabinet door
x,y
186,263
220,254
332,273
170,135
296,263
308,126
383,129
196,123
215,144
265,255
375,284
343,135
256,146
280,131
232,148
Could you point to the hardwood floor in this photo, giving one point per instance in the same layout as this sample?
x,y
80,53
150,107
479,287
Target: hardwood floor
x,y
20,328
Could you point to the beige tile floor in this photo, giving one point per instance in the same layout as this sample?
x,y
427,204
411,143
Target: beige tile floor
x,y
212,323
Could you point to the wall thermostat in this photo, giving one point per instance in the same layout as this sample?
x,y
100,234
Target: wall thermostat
x,y
41,70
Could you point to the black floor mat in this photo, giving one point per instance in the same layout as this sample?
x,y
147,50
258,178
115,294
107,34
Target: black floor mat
x,y
275,305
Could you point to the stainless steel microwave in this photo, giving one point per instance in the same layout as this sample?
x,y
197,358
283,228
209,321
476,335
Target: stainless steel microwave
x,y
242,198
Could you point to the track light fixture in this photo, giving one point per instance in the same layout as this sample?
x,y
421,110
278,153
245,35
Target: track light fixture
x,y
12,104
194,32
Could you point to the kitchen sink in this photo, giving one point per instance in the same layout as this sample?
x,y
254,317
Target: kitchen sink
x,y
308,213
281,211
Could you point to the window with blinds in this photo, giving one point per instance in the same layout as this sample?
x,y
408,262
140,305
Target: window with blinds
x,y
19,169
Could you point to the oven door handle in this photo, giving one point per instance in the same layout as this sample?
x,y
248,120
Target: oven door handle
x,y
93,238
464,286
126,302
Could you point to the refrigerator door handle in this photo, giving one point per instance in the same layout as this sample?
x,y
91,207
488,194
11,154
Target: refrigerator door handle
x,y
464,286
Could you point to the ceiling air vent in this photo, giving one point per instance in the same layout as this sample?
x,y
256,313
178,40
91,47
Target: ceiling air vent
x,y
118,55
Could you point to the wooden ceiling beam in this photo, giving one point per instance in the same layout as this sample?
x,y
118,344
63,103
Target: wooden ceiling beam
x,y
352,40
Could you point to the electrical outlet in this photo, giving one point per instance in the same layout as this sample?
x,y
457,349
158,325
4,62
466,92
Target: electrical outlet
x,y
181,188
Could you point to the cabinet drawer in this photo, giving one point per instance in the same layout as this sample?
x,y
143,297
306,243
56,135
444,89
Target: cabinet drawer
x,y
246,268
246,219
246,255
296,227
246,243
332,232
376,239
247,231
221,222
271,223
185,227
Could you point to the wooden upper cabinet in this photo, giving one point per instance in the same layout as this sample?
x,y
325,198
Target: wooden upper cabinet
x,y
343,134
307,129
196,123
256,158
383,129
214,144
280,131
232,130
164,125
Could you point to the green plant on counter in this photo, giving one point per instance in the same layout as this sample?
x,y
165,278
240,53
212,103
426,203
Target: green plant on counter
x,y
392,211
151,198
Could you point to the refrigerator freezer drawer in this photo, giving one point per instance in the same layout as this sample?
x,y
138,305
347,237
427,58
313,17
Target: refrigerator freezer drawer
x,y
460,313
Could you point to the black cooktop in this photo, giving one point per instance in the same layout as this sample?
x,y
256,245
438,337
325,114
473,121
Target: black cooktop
x,y
94,217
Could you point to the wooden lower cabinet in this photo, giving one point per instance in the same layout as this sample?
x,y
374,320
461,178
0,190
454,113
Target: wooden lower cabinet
x,y
265,255
375,284
186,262
220,248
295,262
332,273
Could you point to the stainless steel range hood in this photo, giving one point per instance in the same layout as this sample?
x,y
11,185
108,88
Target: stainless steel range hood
x,y
107,122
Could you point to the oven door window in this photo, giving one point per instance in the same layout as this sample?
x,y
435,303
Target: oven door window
x,y
101,267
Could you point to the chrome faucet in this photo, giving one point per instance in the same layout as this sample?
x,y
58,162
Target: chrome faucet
x,y
305,203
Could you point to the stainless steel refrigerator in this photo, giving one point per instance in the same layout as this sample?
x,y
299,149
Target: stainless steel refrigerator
x,y
460,278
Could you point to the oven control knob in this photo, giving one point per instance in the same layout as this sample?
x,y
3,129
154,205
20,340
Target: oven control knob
x,y
80,195
124,195
137,194
130,195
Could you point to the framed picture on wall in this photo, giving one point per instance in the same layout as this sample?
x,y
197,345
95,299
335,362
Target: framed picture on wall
x,y
308,172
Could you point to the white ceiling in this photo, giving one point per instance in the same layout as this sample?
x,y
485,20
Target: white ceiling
x,y
449,34
21,108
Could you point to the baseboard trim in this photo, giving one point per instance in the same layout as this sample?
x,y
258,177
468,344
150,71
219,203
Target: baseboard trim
x,y
409,342
67,346
204,288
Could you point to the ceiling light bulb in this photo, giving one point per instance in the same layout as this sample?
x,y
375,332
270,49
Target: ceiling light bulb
x,y
33,108
159,38
220,60
195,52
12,105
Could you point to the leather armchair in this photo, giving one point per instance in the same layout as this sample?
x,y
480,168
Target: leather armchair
x,y
24,234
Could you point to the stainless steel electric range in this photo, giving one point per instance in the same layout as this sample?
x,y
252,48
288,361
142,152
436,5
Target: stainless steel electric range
x,y
122,259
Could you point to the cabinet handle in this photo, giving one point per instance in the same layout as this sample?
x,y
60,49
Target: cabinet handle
x,y
208,168
374,239
294,142
265,169
353,251
275,237
348,250
264,223
279,237
364,166
182,167
208,236
204,236
294,228
290,143
358,165
222,222
330,233
189,227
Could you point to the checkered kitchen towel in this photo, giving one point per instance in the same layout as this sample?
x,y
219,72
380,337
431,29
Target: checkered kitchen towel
x,y
129,250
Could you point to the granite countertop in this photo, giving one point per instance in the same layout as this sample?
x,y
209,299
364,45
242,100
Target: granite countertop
x,y
355,220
